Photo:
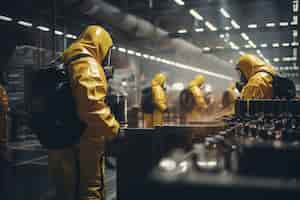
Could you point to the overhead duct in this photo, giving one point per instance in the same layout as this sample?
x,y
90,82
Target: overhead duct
x,y
185,52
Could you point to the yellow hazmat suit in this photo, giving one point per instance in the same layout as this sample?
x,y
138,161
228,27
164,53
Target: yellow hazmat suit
x,y
89,88
160,102
200,104
228,101
3,116
259,84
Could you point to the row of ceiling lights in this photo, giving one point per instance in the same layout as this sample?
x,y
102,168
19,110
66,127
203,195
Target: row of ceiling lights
x,y
123,50
169,62
41,28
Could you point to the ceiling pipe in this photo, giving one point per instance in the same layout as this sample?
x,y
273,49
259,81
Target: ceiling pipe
x,y
185,52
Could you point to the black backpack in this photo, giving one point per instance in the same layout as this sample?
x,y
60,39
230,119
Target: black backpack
x,y
147,100
186,100
53,109
282,87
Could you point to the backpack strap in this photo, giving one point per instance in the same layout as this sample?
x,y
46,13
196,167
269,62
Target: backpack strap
x,y
76,57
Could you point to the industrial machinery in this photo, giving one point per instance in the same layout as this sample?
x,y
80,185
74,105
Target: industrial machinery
x,y
254,155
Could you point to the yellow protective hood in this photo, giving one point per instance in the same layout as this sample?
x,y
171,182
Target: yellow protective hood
x,y
94,40
159,79
197,81
250,64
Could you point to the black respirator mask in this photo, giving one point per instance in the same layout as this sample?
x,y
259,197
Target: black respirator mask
x,y
107,67
241,84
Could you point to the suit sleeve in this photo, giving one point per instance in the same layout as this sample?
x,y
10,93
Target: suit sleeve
x,y
159,98
198,97
89,87
252,91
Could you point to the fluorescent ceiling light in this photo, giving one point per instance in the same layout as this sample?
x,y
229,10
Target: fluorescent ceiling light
x,y
224,13
179,2
295,44
199,30
270,25
241,53
182,31
235,24
210,26
295,33
245,36
227,28
252,44
138,54
276,59
283,24
234,46
286,59
130,52
23,23
123,50
285,44
222,35
152,57
220,47
5,18
263,45
206,48
247,46
145,55
258,51
252,26
43,28
71,36
275,45
195,14
58,32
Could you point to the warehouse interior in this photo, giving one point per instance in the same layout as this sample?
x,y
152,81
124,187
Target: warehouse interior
x,y
180,39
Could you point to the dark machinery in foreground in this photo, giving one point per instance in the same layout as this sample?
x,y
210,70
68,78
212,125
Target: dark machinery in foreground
x,y
254,155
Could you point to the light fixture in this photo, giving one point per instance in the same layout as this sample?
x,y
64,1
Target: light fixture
x,y
206,49
5,18
241,53
219,47
152,57
224,13
295,33
295,44
245,36
146,56
234,46
227,28
71,36
43,28
263,45
270,25
252,26
283,24
138,54
258,52
182,31
196,15
235,24
179,2
23,23
222,36
56,32
130,52
199,30
247,46
276,59
285,44
275,45
210,26
252,44
123,50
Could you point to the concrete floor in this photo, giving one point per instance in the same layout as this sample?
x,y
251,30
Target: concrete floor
x,y
26,177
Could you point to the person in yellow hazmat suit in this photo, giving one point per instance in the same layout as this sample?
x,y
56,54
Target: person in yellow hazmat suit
x,y
159,100
255,80
194,87
3,119
228,101
78,172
